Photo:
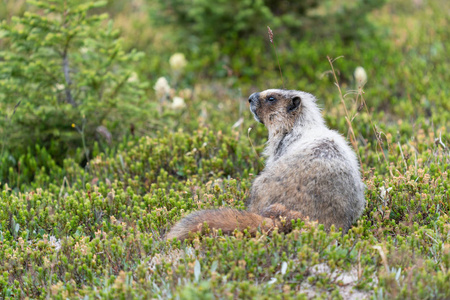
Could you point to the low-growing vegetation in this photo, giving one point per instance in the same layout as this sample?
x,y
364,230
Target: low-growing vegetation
x,y
89,188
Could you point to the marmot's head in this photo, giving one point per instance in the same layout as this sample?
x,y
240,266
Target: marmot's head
x,y
282,110
284,113
278,109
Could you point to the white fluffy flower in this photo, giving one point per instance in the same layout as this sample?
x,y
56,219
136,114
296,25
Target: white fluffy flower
x,y
178,103
162,87
177,62
59,86
360,76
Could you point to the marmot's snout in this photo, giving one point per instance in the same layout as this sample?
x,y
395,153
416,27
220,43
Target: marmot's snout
x,y
254,104
253,98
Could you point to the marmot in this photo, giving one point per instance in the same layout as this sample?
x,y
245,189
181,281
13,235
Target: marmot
x,y
311,172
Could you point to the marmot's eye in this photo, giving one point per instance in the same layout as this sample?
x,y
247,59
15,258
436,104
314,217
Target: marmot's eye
x,y
271,99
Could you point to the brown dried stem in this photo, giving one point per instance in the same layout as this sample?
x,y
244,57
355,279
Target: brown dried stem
x,y
347,116
276,54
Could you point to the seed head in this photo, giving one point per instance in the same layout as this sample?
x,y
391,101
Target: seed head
x,y
162,87
178,103
178,62
360,76
270,34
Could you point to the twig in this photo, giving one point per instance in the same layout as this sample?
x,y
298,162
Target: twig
x,y
66,68
67,78
83,139
276,54
438,141
373,127
251,144
401,152
347,116
249,139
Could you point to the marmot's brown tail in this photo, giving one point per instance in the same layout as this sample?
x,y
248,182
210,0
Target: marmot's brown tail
x,y
226,219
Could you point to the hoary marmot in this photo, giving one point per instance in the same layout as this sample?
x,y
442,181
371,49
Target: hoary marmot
x,y
310,173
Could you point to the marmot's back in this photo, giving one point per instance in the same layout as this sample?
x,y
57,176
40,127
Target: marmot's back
x,y
318,182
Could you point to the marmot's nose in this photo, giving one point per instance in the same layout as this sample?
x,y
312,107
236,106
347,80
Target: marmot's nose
x,y
253,97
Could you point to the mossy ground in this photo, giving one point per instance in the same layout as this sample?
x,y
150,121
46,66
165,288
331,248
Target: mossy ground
x,y
96,231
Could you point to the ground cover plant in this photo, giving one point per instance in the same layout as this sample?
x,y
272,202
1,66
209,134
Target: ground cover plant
x,y
77,226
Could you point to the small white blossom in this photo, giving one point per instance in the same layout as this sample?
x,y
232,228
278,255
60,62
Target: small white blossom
x,y
178,103
360,76
384,192
162,87
55,243
59,86
84,50
177,62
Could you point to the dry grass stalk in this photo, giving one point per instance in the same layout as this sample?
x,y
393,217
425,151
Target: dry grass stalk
x,y
276,54
349,119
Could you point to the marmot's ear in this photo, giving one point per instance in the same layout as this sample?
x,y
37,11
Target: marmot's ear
x,y
296,100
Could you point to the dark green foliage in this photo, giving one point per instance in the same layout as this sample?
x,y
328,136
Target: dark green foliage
x,y
223,21
238,29
220,21
63,75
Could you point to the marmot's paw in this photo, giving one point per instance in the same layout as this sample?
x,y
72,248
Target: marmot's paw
x,y
275,211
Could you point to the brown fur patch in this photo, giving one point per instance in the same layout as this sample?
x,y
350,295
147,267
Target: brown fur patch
x,y
226,219
274,113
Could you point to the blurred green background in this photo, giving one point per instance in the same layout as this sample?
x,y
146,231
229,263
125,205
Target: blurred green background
x,y
78,77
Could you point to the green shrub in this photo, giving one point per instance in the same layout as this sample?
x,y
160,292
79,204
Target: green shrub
x,y
226,21
65,80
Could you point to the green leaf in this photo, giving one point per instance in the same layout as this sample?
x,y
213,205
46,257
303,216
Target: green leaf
x,y
99,3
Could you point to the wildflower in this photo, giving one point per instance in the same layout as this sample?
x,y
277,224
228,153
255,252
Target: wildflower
x,y
55,243
270,34
177,62
178,103
59,87
162,87
360,76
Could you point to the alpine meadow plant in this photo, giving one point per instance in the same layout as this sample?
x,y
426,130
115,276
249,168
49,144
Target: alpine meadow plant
x,y
64,67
